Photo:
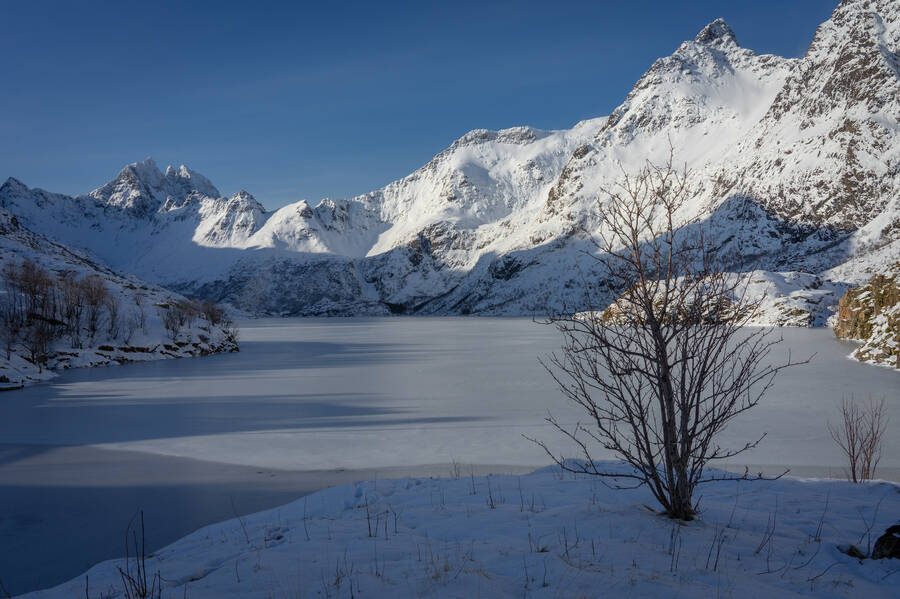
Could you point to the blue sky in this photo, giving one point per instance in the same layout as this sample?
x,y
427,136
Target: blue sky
x,y
293,101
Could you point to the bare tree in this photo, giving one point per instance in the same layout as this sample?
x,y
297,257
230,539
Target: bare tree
x,y
139,298
12,309
30,309
11,323
859,436
182,314
188,311
38,339
171,320
666,367
113,307
38,289
130,324
230,328
71,290
94,293
212,312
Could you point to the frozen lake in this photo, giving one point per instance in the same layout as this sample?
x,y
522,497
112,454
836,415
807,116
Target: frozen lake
x,y
308,403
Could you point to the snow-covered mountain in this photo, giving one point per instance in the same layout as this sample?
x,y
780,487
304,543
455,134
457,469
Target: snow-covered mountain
x,y
795,164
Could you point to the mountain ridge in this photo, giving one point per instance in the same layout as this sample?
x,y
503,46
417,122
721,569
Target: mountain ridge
x,y
794,162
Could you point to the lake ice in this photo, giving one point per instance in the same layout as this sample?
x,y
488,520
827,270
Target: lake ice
x,y
387,396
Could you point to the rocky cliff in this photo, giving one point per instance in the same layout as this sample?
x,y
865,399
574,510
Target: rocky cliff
x,y
871,314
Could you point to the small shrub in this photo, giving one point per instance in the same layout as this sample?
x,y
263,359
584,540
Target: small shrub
x,y
859,435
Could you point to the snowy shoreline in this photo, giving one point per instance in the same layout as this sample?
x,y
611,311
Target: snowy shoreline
x,y
61,309
539,534
43,486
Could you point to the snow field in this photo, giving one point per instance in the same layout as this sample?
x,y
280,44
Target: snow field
x,y
545,534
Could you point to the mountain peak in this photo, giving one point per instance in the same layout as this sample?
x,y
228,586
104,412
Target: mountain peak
x,y
146,163
145,171
715,33
184,180
146,168
171,171
244,195
14,183
141,188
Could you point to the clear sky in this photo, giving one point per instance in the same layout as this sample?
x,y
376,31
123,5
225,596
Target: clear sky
x,y
291,101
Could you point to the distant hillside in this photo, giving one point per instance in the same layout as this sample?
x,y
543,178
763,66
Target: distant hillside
x,y
60,309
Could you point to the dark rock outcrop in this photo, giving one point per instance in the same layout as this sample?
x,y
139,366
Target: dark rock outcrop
x,y
888,544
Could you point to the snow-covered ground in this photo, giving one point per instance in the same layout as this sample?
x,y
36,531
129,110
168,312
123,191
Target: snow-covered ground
x,y
546,534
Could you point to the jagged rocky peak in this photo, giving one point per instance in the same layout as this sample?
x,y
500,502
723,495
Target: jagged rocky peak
x,y
245,202
303,209
146,170
228,221
717,33
141,188
138,188
187,180
244,196
697,83
13,184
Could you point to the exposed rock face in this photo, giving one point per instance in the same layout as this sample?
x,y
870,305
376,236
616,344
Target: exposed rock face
x,y
871,314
